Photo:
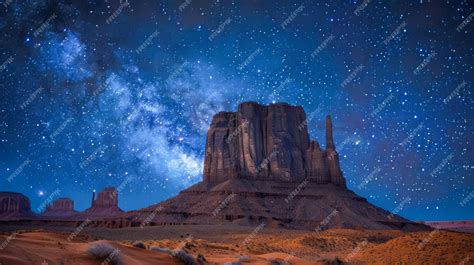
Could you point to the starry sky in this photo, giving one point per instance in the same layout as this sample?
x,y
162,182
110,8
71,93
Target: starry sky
x,y
121,93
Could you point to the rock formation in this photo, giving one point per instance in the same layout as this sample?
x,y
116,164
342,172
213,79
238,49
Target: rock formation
x,y
14,205
105,205
62,207
268,143
261,166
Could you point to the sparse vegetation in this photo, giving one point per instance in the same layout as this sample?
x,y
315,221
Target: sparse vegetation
x,y
139,244
335,261
278,262
162,250
105,251
185,257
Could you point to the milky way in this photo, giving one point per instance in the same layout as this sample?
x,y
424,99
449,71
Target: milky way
x,y
120,93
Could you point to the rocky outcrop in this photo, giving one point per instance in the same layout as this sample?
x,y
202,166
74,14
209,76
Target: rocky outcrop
x,y
105,205
61,204
62,207
260,166
268,143
14,205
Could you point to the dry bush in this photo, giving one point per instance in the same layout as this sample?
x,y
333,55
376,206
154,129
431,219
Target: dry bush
x,y
184,257
139,244
105,251
162,250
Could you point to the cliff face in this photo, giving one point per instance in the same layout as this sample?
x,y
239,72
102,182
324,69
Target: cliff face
x,y
268,143
12,202
62,208
15,206
105,205
61,204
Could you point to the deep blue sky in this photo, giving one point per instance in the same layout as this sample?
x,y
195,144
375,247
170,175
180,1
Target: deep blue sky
x,y
91,98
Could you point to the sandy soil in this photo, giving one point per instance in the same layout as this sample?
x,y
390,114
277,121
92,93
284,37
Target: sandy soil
x,y
249,245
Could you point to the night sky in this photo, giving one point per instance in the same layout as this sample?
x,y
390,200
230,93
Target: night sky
x,y
116,93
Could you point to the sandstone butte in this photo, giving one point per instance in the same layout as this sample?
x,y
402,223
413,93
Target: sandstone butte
x,y
261,166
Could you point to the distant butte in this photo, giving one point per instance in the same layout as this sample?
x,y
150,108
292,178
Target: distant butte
x,y
14,206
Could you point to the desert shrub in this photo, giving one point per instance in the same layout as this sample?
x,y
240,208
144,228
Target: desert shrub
x,y
105,251
139,244
200,257
335,261
184,257
162,250
278,262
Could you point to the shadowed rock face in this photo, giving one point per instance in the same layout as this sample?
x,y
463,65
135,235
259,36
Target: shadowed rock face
x,y
260,166
268,143
61,204
105,205
15,206
107,197
12,202
60,208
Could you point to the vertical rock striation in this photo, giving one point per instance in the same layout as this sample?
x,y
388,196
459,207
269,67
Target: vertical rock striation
x,y
13,202
268,143
61,204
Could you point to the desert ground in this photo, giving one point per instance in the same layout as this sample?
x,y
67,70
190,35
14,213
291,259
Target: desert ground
x,y
236,245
